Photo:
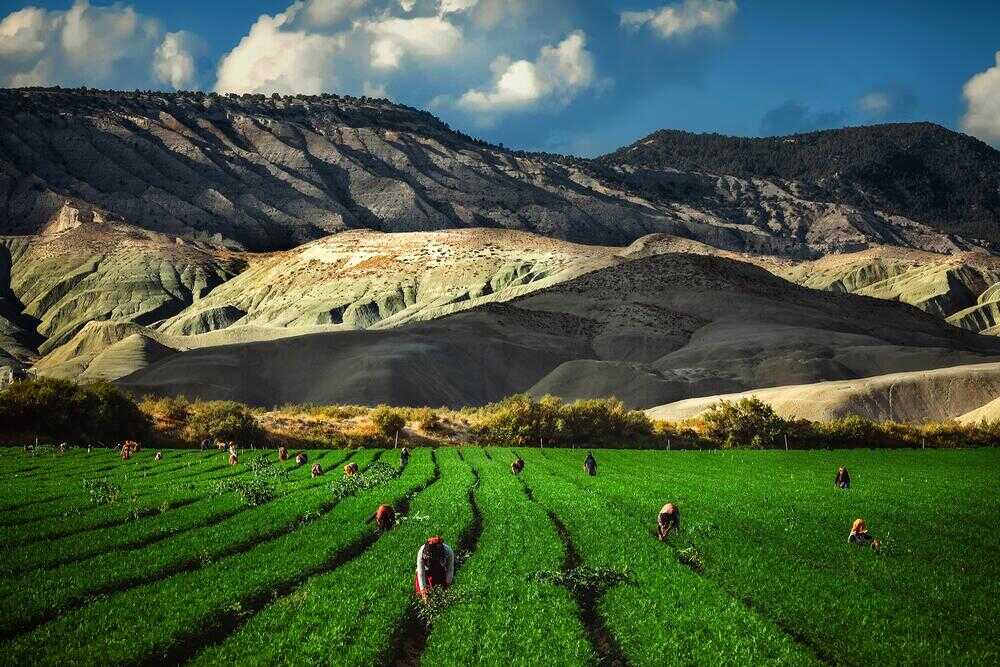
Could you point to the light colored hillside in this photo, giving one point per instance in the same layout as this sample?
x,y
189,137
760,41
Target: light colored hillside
x,y
967,393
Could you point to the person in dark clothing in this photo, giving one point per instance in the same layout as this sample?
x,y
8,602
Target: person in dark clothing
x,y
317,470
435,566
590,464
404,457
282,453
205,444
668,521
517,466
843,478
301,458
385,517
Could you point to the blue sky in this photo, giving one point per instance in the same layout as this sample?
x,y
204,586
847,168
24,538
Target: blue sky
x,y
581,77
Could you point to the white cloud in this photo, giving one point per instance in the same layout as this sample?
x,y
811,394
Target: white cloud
x,y
273,58
377,90
555,77
331,12
682,18
456,6
424,37
173,62
876,103
982,95
87,45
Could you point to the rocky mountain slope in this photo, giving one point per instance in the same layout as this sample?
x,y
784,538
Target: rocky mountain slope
x,y
650,331
920,171
266,174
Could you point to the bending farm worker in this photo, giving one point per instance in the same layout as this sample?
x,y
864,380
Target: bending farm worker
x,y
590,464
404,456
860,536
158,457
233,459
317,470
843,478
668,521
385,517
282,453
435,566
517,466
350,469
301,458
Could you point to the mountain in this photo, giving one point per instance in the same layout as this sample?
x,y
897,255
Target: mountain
x,y
270,173
919,171
650,330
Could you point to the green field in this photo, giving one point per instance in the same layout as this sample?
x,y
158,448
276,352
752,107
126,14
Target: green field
x,y
173,569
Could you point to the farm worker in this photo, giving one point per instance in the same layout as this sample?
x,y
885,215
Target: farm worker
x,y
517,466
404,456
590,464
301,458
350,469
668,521
843,478
435,566
205,444
221,446
62,448
282,453
158,457
385,517
317,470
233,459
859,535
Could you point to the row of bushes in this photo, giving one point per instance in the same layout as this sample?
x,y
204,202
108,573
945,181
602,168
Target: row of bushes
x,y
59,410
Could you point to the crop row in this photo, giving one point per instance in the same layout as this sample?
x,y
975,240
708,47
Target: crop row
x,y
26,601
177,614
502,614
351,614
777,541
665,611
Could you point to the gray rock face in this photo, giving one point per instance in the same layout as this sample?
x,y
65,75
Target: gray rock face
x,y
263,174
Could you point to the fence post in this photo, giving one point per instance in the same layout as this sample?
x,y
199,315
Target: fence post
x,y
786,442
668,444
396,444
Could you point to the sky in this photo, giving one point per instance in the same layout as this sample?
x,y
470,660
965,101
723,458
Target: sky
x,y
582,77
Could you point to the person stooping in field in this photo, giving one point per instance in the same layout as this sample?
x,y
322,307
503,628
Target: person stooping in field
x,y
860,536
517,466
668,521
158,456
435,566
404,457
282,453
205,444
843,478
350,469
590,464
301,458
317,470
233,458
129,448
384,517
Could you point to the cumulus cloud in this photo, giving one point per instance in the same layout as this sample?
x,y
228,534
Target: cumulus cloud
x,y
893,101
88,45
173,61
423,37
555,77
982,97
680,19
347,45
795,118
275,58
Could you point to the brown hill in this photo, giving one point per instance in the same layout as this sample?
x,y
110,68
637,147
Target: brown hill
x,y
651,331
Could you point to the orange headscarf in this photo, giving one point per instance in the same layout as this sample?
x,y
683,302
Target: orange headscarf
x,y
859,527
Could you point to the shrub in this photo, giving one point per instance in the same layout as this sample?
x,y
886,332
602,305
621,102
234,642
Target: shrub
x,y
101,491
387,420
748,422
174,408
223,420
64,410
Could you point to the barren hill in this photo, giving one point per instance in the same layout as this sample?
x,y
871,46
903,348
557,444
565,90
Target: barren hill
x,y
651,330
261,174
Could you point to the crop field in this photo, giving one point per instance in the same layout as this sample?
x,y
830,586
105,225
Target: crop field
x,y
189,560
